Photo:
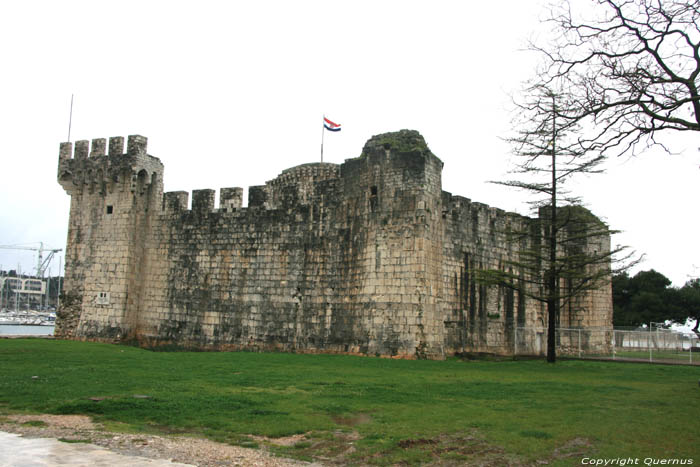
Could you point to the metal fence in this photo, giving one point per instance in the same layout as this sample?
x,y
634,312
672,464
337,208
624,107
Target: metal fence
x,y
650,345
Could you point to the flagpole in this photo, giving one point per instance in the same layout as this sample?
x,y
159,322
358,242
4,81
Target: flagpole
x,y
70,117
323,133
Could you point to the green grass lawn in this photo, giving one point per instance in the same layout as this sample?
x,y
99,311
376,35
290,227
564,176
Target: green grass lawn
x,y
390,410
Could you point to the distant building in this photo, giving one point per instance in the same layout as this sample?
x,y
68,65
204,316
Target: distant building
x,y
22,292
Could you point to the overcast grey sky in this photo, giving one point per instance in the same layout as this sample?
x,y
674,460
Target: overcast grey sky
x,y
230,93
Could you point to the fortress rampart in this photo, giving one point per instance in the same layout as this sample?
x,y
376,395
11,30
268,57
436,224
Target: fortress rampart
x,y
368,257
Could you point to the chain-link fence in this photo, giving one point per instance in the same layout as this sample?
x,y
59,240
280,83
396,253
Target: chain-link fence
x,y
652,345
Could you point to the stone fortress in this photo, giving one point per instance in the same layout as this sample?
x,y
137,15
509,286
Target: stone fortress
x,y
366,257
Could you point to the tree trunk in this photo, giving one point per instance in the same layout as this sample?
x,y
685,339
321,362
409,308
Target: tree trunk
x,y
551,329
553,279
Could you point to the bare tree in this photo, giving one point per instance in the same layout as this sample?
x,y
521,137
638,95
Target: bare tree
x,y
568,252
632,67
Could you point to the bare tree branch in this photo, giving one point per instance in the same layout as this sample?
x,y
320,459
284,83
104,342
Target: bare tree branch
x,y
631,67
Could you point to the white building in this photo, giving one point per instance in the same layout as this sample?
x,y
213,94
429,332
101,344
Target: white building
x,y
22,292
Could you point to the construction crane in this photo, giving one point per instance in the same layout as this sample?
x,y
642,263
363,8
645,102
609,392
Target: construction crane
x,y
41,263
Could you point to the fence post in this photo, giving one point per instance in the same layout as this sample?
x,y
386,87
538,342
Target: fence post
x,y
515,342
579,343
649,344
614,342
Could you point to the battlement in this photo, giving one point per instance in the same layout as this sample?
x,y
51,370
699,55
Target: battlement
x,y
454,204
92,166
306,172
136,145
230,198
203,201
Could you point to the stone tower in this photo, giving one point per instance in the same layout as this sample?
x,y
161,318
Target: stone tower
x,y
393,193
114,196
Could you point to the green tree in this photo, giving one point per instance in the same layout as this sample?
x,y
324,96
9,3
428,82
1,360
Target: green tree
x,y
567,251
621,297
689,303
647,297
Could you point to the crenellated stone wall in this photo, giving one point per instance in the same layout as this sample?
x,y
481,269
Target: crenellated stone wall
x,y
113,199
367,257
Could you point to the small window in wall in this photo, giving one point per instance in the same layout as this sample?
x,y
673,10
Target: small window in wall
x,y
103,298
110,209
373,198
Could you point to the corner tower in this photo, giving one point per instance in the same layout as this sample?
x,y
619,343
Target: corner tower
x,y
392,196
114,197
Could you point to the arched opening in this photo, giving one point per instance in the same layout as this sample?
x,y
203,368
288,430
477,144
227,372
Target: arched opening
x,y
141,182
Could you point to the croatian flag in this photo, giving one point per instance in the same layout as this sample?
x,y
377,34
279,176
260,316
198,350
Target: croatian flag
x,y
330,126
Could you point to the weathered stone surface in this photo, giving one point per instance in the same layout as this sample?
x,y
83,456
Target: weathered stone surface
x,y
368,257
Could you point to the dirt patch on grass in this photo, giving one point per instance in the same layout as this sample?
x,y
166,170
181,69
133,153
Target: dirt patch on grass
x,y
576,448
411,443
328,448
188,450
72,422
352,420
323,448
456,449
471,449
283,441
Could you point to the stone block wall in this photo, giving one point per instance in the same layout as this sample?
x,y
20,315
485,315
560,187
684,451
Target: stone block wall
x,y
481,318
368,257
